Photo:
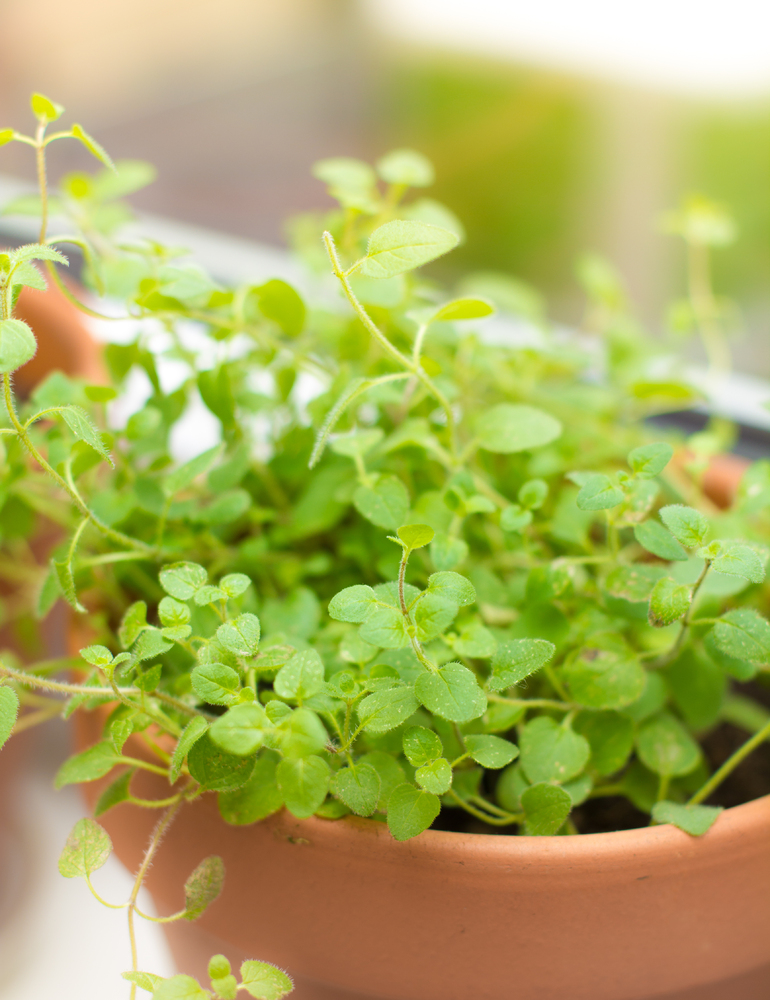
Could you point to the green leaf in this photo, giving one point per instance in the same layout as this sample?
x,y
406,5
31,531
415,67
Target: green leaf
x,y
517,659
452,692
358,787
511,427
208,594
411,811
66,581
386,504
633,583
695,820
235,584
6,135
515,518
352,182
45,109
468,308
97,656
386,628
435,776
27,274
357,443
697,685
240,635
281,303
301,733
650,459
452,586
415,536
215,683
406,167
301,677
665,747
669,601
80,424
203,886
215,769
744,635
191,733
144,980
134,622
182,579
686,524
433,615
303,783
38,251
546,808
265,981
116,792
599,493
740,561
173,613
403,245
605,677
491,751
86,850
611,737
17,345
88,765
384,710
186,474
9,710
421,746
653,537
353,604
217,394
551,752
255,800
151,643
475,641
180,988
447,552
93,147
242,730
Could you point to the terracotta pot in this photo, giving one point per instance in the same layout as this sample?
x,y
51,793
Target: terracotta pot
x,y
354,915
351,913
64,343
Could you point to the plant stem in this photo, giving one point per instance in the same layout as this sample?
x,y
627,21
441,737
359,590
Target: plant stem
x,y
730,764
405,362
41,178
705,308
508,820
163,824
686,621
559,706
116,536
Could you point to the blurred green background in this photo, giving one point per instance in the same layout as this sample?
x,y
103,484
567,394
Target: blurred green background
x,y
234,100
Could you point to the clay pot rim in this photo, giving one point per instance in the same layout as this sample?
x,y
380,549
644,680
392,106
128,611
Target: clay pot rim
x,y
751,821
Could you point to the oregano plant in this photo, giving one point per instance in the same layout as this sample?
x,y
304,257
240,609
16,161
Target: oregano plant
x,y
461,581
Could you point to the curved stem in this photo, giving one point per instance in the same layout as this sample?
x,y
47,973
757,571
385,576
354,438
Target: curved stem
x,y
163,824
509,819
407,363
730,764
77,500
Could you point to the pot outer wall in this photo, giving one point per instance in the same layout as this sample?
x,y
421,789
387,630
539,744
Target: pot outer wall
x,y
353,914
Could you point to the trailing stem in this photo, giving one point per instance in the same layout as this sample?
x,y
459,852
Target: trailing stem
x,y
410,364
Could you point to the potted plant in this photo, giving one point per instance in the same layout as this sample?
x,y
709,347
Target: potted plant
x,y
429,590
